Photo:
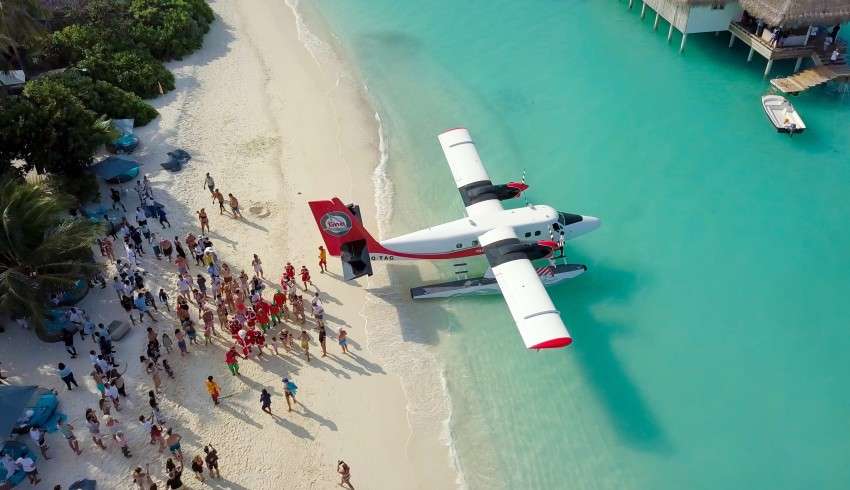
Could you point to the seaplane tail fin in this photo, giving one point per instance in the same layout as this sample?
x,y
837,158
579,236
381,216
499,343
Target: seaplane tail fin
x,y
344,236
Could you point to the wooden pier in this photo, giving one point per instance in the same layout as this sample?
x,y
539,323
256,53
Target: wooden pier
x,y
812,77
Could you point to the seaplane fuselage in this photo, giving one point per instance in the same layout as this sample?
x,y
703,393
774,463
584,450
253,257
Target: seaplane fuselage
x,y
459,238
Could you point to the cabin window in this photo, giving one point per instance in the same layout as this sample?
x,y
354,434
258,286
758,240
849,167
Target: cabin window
x,y
459,245
537,233
527,234
474,243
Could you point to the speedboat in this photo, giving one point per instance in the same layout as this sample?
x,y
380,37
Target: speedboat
x,y
782,114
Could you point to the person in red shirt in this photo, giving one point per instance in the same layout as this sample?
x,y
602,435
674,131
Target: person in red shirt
x,y
305,276
289,272
263,319
230,359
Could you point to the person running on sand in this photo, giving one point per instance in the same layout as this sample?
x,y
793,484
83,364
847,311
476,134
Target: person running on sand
x,y
167,248
266,401
234,205
231,361
211,458
289,391
172,440
198,467
344,474
323,259
94,428
153,370
322,340
218,197
305,276
142,479
181,341
343,340
213,389
162,217
305,343
167,342
209,183
204,219
67,431
116,199
257,264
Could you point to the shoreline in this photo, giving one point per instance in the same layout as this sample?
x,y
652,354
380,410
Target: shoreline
x,y
276,126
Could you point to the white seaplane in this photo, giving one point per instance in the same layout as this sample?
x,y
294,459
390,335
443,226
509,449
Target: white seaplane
x,y
510,239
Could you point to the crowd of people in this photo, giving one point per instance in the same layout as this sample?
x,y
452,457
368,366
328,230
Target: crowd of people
x,y
250,316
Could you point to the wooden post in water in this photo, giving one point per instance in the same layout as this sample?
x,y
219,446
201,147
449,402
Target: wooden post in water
x,y
643,11
731,39
630,4
682,44
799,63
750,56
670,32
768,67
655,24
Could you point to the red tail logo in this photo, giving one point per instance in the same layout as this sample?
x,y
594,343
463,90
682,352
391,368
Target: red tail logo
x,y
339,226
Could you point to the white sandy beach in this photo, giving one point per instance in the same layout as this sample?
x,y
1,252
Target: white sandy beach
x,y
276,124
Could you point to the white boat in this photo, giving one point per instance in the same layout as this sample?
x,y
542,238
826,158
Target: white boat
x,y
549,276
782,114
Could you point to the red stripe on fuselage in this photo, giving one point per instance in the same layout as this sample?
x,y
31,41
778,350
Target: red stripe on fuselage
x,y
457,254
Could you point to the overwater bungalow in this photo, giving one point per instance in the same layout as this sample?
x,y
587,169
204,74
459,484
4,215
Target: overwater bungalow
x,y
774,29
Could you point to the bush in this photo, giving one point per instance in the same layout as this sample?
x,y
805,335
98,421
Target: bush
x,y
132,70
61,135
83,187
170,28
103,98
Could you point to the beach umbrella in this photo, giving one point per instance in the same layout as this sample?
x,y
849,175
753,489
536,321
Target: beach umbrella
x,y
14,401
116,170
83,485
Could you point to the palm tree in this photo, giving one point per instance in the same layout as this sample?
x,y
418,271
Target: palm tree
x,y
41,251
20,23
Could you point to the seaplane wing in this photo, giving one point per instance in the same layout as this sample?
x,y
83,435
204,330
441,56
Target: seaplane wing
x,y
479,194
538,321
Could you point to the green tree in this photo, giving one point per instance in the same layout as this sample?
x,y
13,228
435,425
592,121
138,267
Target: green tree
x,y
62,134
19,25
41,251
103,98
133,70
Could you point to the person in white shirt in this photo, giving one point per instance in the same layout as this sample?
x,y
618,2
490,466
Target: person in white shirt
x,y
8,464
37,435
28,465
834,56
112,392
141,217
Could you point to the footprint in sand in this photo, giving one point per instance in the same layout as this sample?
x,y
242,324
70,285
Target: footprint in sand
x,y
259,210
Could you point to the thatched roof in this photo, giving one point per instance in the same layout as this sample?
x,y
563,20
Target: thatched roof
x,y
795,13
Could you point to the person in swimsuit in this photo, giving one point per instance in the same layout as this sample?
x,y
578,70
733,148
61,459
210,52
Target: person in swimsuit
x,y
204,219
211,458
305,343
234,205
257,264
289,390
343,340
67,431
172,440
198,467
175,473
344,474
323,259
94,428
219,198
305,276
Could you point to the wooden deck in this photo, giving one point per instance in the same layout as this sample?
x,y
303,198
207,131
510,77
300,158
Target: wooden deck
x,y
764,48
812,77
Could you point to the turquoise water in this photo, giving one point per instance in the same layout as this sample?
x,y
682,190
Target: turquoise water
x,y
711,328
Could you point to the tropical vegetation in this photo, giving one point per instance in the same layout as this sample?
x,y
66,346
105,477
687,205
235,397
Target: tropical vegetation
x,y
97,61
43,249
